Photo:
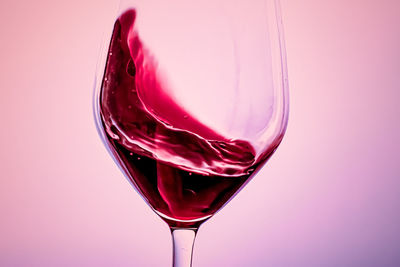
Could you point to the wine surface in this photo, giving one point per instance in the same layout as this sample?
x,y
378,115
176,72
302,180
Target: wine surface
x,y
185,170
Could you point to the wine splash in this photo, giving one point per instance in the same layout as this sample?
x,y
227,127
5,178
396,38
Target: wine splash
x,y
185,170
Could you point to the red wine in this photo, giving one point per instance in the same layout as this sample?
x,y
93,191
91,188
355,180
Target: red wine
x,y
185,170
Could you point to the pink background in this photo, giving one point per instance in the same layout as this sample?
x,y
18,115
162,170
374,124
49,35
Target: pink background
x,y
330,196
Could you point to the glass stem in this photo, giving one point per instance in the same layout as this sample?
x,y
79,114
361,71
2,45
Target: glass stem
x,y
183,241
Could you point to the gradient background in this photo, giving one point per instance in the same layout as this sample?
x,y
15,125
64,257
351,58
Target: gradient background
x,y
330,196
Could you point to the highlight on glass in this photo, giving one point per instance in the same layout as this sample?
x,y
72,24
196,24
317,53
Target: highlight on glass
x,y
191,100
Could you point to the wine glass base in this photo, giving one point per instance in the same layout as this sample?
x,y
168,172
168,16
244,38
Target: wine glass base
x,y
176,223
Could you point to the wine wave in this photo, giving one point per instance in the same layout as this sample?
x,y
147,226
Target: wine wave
x,y
144,118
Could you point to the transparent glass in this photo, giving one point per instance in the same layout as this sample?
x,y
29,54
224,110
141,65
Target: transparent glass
x,y
191,100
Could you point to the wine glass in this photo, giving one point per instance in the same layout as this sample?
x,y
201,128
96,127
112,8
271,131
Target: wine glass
x,y
191,100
